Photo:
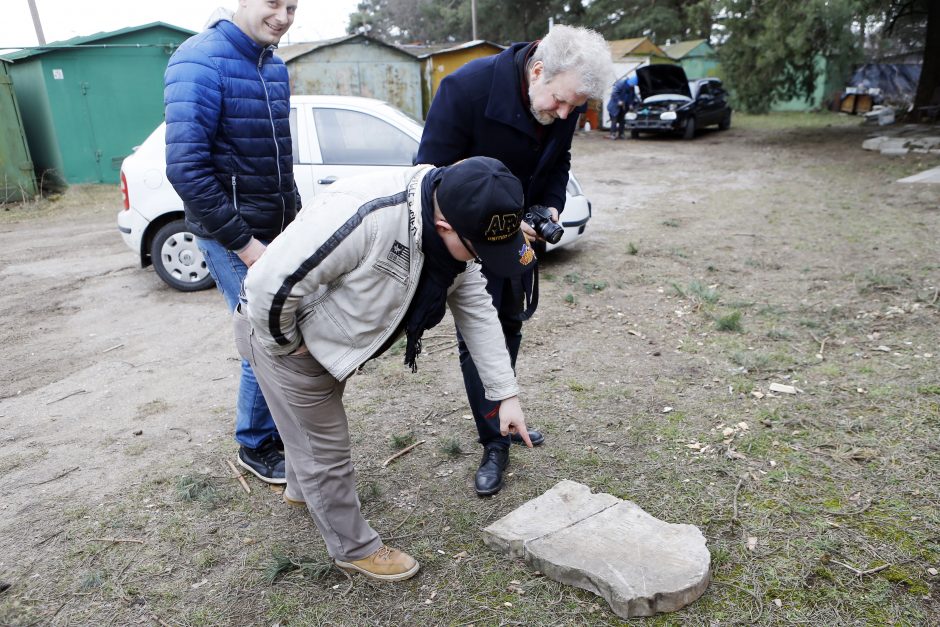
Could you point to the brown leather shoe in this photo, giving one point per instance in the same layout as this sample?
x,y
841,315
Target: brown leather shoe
x,y
386,564
294,502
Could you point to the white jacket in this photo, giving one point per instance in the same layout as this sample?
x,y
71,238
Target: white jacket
x,y
341,276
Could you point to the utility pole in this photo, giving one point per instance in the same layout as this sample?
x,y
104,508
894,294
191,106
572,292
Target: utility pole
x,y
36,23
473,18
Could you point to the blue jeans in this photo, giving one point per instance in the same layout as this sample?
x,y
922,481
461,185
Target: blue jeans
x,y
253,421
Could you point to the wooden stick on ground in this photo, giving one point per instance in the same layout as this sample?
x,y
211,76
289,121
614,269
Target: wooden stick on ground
x,y
400,453
862,573
238,475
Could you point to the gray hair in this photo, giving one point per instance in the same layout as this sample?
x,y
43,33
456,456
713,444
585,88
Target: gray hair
x,y
577,49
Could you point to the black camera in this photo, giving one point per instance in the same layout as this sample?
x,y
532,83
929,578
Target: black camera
x,y
539,218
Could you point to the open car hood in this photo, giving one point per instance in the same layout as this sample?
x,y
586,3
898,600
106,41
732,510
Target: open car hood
x,y
657,80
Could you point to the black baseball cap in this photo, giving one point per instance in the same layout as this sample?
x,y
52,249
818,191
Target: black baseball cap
x,y
484,203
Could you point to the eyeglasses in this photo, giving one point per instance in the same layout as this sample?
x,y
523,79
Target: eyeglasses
x,y
469,248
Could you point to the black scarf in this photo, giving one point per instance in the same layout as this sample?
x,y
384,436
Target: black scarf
x,y
437,275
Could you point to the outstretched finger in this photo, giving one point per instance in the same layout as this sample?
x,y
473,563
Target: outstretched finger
x,y
525,437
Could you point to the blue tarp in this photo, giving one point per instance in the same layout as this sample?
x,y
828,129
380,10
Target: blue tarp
x,y
897,81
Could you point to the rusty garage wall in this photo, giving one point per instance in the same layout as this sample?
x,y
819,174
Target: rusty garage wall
x,y
356,66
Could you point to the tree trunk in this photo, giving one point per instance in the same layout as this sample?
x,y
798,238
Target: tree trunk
x,y
930,71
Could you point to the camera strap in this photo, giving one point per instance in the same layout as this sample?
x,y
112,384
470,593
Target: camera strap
x,y
525,291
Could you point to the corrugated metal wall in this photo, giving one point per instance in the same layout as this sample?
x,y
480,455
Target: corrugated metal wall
x,y
360,68
16,170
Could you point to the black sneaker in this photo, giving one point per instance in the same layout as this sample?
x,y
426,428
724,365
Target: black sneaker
x,y
265,462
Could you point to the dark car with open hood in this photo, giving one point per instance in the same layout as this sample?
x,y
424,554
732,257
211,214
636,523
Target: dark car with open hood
x,y
670,103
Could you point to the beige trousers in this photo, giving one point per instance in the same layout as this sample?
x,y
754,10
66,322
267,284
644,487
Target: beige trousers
x,y
307,404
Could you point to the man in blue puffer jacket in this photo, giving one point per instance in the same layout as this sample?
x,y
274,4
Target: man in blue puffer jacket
x,y
228,156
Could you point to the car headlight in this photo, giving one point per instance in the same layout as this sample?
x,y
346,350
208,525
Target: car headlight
x,y
573,188
667,115
631,115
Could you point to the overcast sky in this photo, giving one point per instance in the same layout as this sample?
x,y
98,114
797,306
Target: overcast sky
x,y
62,19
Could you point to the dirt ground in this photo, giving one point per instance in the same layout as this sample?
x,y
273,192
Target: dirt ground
x,y
777,252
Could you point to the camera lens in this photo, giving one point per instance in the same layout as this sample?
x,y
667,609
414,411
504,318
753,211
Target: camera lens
x,y
552,232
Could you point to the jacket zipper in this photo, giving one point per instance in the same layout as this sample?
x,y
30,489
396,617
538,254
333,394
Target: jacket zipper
x,y
277,149
235,193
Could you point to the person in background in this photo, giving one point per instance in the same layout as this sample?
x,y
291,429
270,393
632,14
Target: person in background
x,y
228,156
621,101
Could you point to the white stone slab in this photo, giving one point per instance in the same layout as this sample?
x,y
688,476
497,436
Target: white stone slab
x,y
927,176
641,565
567,503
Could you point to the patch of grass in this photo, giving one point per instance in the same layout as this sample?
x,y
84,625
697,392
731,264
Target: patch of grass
x,y
205,617
632,249
703,292
752,361
874,281
206,559
594,286
671,223
896,574
308,567
369,492
928,389
790,120
730,322
152,408
283,608
398,348
93,579
399,442
779,334
136,449
570,299
577,386
451,448
572,278
199,489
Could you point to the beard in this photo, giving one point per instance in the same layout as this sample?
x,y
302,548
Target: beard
x,y
542,117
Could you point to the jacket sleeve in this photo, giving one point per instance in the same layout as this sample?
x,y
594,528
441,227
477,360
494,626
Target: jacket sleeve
x,y
476,319
306,257
448,130
193,99
557,180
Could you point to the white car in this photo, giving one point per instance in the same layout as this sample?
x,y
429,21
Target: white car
x,y
333,137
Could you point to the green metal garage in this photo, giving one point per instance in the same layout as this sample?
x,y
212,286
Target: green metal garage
x,y
87,101
16,170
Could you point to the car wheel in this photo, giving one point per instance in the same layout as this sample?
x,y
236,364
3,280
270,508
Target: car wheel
x,y
177,260
689,131
725,123
634,134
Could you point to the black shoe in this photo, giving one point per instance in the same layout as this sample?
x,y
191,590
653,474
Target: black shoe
x,y
536,437
489,478
265,462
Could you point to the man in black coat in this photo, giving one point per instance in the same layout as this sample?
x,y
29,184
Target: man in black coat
x,y
521,107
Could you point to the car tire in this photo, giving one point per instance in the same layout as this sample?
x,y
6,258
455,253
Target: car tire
x,y
177,260
634,134
689,132
725,123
